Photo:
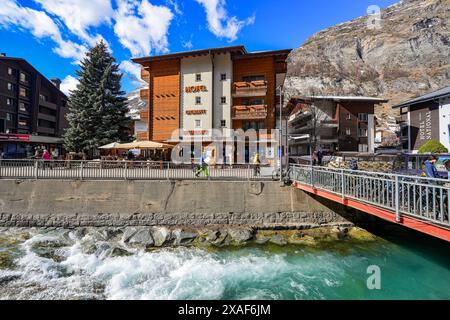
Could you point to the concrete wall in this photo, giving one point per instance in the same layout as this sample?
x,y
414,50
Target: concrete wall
x,y
121,203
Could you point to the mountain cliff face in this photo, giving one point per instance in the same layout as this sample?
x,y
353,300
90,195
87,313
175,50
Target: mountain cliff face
x,y
406,56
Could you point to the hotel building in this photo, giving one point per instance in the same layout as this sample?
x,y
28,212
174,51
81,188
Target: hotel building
x,y
32,109
192,94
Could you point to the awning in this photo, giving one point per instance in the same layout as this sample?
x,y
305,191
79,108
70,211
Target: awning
x,y
143,145
110,146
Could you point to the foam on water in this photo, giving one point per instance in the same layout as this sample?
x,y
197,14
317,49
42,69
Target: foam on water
x,y
192,273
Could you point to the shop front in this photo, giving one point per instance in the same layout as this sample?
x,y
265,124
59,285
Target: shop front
x,y
21,146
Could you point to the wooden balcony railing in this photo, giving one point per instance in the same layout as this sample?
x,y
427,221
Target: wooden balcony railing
x,y
142,136
144,115
250,89
250,112
144,94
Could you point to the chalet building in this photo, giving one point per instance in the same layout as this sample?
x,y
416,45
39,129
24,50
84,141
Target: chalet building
x,y
201,91
338,124
425,118
32,109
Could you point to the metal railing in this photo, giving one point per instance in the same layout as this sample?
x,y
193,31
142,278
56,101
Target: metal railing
x,y
123,170
420,197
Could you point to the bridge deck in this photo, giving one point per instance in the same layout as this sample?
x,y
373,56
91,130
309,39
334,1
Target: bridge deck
x,y
418,203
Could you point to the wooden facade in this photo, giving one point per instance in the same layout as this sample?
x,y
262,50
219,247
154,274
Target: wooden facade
x,y
253,90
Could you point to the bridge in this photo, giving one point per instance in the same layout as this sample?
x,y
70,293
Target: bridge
x,y
418,203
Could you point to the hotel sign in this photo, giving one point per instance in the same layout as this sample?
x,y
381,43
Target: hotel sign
x,y
194,89
195,112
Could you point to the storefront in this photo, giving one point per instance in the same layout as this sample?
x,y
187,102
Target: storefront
x,y
20,146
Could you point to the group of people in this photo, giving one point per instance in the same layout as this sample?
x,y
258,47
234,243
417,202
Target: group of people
x,y
317,158
44,154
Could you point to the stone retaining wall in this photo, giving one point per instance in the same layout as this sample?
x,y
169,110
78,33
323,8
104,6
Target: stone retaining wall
x,y
149,203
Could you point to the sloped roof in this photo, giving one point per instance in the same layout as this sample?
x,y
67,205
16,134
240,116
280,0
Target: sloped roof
x,y
441,93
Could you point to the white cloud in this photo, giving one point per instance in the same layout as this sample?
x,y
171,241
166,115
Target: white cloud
x,y
132,71
40,25
142,27
69,83
80,15
187,44
219,23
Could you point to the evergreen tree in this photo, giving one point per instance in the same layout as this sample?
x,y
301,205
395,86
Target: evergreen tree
x,y
97,107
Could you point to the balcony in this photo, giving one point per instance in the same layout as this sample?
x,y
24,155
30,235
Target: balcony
x,y
144,94
48,104
144,116
258,112
47,117
250,89
142,136
45,130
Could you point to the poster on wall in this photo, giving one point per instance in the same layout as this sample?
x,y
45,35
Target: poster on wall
x,y
270,153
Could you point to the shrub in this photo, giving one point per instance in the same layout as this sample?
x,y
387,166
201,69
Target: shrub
x,y
433,146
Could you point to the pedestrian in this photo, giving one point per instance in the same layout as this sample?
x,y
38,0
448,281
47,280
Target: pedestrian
x,y
203,166
46,157
430,169
256,165
314,158
319,157
354,164
447,167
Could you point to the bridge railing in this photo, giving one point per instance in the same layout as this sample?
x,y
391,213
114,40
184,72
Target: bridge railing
x,y
123,170
421,197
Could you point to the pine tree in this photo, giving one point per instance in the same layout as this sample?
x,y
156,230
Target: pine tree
x,y
97,107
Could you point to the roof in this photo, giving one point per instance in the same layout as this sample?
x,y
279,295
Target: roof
x,y
441,93
238,49
29,65
341,98
177,55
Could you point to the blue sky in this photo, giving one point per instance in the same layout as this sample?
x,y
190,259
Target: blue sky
x,y
54,34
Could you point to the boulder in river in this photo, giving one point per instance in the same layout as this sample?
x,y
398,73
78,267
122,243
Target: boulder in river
x,y
183,237
161,236
141,239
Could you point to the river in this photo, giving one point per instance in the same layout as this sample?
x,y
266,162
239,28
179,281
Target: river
x,y
39,265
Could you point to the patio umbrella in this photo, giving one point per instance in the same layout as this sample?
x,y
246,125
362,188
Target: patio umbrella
x,y
110,146
130,145
152,145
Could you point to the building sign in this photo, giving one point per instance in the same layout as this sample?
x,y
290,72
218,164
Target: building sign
x,y
195,112
194,89
14,137
424,126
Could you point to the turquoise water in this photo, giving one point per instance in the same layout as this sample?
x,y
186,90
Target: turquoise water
x,y
411,268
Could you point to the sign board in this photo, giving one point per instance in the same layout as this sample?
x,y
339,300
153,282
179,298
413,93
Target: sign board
x,y
194,89
14,137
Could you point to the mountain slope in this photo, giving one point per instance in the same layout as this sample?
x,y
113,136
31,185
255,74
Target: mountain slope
x,y
407,56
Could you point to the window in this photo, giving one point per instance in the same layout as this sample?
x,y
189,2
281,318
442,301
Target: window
x,y
223,76
42,97
23,77
363,117
363,148
23,92
198,124
9,117
362,132
253,78
198,77
23,122
10,71
256,125
254,102
10,86
8,102
198,100
223,100
23,107
223,123
348,131
349,116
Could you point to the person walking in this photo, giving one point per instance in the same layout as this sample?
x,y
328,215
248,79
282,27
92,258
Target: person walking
x,y
314,158
46,157
319,157
203,167
256,165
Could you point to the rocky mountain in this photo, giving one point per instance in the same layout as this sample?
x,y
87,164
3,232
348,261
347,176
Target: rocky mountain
x,y
135,104
403,53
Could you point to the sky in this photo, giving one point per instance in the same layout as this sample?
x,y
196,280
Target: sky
x,y
53,35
